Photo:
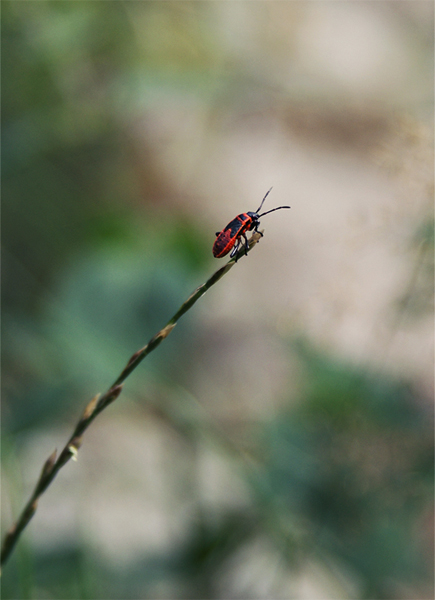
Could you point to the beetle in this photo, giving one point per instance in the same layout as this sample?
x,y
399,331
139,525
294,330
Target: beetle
x,y
231,236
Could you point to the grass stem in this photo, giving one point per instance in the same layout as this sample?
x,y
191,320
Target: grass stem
x,y
54,463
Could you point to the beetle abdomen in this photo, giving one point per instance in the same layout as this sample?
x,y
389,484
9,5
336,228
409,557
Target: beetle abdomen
x,y
228,236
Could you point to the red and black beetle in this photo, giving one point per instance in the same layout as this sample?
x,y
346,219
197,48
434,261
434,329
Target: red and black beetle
x,y
230,237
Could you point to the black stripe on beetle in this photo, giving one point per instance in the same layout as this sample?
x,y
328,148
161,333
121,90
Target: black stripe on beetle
x,y
234,234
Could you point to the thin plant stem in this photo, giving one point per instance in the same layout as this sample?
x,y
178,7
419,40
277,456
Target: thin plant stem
x,y
54,463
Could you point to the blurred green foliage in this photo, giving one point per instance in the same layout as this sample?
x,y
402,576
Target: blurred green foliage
x,y
347,475
95,262
354,462
73,232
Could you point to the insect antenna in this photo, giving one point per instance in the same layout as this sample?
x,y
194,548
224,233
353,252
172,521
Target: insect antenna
x,y
262,202
273,209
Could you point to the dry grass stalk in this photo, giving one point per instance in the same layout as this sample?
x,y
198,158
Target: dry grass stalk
x,y
53,465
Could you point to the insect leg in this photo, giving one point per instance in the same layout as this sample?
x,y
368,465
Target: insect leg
x,y
257,224
246,244
235,249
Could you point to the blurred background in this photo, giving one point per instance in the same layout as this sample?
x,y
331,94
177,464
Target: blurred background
x,y
279,444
